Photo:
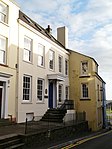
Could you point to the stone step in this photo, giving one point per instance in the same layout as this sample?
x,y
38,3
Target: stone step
x,y
11,141
55,116
17,146
55,111
52,120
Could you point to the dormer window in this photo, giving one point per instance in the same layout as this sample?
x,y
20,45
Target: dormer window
x,y
84,68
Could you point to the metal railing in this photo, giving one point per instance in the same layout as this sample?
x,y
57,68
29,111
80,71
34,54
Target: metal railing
x,y
37,125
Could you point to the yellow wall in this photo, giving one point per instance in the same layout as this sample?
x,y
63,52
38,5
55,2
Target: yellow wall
x,y
89,106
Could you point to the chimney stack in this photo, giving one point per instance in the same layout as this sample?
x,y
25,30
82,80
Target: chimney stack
x,y
62,36
49,29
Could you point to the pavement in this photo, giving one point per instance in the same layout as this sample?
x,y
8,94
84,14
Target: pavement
x,y
26,129
43,126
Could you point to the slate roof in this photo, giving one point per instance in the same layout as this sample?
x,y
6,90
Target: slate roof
x,y
39,28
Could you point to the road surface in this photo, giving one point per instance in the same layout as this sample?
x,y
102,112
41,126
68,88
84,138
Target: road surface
x,y
101,141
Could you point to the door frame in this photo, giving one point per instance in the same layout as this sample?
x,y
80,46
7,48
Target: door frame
x,y
52,99
4,111
2,108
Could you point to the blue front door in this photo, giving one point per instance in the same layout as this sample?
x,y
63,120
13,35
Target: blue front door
x,y
50,94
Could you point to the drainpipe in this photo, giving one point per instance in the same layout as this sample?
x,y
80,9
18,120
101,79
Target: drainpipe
x,y
104,106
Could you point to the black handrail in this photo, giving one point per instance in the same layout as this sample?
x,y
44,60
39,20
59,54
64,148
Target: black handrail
x,y
67,105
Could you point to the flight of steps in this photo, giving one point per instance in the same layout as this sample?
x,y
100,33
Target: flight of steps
x,y
11,141
57,114
54,115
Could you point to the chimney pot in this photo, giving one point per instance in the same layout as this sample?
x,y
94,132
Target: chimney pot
x,y
49,29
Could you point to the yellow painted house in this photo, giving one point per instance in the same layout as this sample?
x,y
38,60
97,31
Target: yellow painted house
x,y
87,88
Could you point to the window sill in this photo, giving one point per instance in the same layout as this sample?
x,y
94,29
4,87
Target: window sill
x,y
26,102
6,24
4,65
27,62
84,76
83,99
40,102
41,66
51,70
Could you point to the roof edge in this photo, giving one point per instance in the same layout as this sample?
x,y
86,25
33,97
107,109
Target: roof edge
x,y
84,55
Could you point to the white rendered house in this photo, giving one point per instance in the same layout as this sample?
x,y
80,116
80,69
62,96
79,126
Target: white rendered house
x,y
42,70
9,12
33,65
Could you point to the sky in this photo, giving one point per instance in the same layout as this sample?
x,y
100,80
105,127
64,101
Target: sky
x,y
89,24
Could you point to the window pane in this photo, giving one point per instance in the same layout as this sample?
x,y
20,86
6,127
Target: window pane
x,y
2,49
27,49
26,55
41,50
40,89
27,44
84,67
26,87
66,67
66,93
85,90
3,12
3,9
2,43
2,57
60,64
60,93
51,59
40,60
51,55
2,17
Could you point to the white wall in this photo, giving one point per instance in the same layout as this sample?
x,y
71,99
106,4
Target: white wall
x,y
35,71
10,31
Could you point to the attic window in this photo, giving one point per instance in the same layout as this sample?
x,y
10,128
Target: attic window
x,y
37,26
29,21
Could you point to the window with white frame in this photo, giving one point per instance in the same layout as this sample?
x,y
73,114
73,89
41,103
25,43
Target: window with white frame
x,y
66,93
60,91
41,55
84,68
3,12
51,59
40,89
3,44
26,88
27,56
66,67
85,93
60,63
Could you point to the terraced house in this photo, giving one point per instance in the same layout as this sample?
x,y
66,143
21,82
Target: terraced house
x,y
9,13
87,89
33,66
35,69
